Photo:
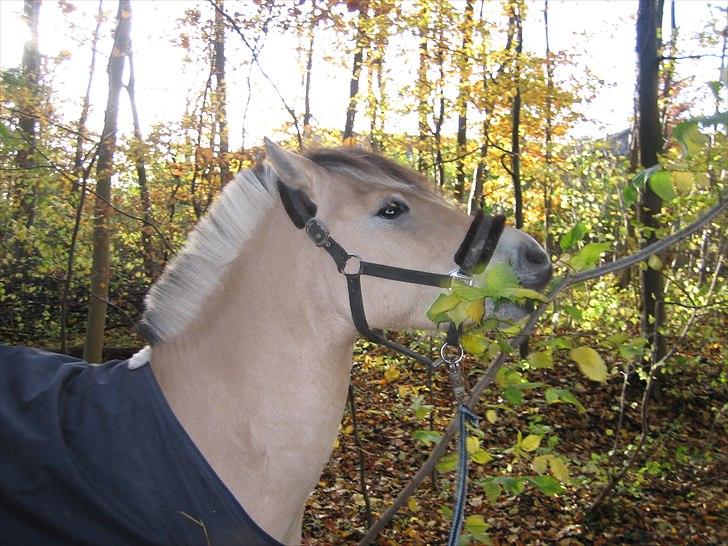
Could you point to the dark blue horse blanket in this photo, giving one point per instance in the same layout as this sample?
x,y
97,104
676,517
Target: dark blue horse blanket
x,y
93,455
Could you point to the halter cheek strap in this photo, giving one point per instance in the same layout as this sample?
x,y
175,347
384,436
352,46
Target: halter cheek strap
x,y
475,250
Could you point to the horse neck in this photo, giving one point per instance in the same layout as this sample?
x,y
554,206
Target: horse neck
x,y
259,381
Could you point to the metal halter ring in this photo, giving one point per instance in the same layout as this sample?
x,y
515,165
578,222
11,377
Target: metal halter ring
x,y
348,261
448,359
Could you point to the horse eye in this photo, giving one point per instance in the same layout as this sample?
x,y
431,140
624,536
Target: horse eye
x,y
392,210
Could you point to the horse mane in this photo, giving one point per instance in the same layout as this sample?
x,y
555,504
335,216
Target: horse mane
x,y
176,298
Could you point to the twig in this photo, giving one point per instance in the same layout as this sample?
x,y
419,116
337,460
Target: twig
x,y
489,375
360,451
646,397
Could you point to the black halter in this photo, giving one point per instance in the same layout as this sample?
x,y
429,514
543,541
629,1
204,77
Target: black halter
x,y
475,251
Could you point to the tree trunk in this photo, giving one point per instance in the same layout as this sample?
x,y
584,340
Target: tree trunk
x,y
309,71
462,100
81,174
220,102
548,179
100,273
422,88
86,103
516,122
150,266
25,186
361,37
650,140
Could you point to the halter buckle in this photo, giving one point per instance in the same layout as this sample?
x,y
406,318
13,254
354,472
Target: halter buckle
x,y
456,275
317,232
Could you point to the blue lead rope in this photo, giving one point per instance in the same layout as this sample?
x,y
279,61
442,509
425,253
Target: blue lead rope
x,y
464,415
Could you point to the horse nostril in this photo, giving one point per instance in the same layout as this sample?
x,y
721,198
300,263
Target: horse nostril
x,y
534,266
536,256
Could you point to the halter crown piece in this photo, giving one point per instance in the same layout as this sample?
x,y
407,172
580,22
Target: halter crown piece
x,y
475,250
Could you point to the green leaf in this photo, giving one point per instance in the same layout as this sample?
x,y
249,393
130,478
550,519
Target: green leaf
x,y
547,485
447,463
472,444
655,262
476,526
481,456
590,363
513,395
689,136
562,395
641,177
588,256
470,293
661,184
527,293
559,470
541,463
497,281
551,396
491,488
629,194
492,416
540,359
512,486
573,236
474,343
530,442
423,411
427,436
444,303
683,181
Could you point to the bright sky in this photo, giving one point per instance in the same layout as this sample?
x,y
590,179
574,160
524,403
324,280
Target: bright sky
x,y
600,33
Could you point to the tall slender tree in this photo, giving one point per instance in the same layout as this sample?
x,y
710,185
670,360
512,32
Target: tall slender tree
x,y
517,19
360,44
25,192
650,145
464,56
220,95
100,273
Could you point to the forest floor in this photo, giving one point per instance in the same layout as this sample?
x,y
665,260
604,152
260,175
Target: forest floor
x,y
675,493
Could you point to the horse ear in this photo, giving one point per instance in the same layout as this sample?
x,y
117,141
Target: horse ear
x,y
294,170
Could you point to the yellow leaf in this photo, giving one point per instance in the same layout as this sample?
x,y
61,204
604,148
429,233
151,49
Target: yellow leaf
x,y
702,180
590,363
540,359
473,444
683,181
540,463
347,430
491,415
403,390
559,470
474,343
413,504
391,374
655,262
530,442
481,456
473,310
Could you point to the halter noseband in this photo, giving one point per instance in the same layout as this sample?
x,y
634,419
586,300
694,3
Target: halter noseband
x,y
475,251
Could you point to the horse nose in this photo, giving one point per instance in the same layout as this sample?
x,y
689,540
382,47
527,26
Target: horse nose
x,y
532,264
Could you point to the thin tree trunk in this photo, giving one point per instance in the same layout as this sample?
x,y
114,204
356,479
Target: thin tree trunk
x,y
86,103
25,187
100,274
82,176
423,87
359,47
309,71
440,119
516,122
548,179
651,143
150,266
462,101
220,102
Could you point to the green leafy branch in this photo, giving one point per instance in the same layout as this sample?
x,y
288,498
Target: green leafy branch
x,y
487,378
